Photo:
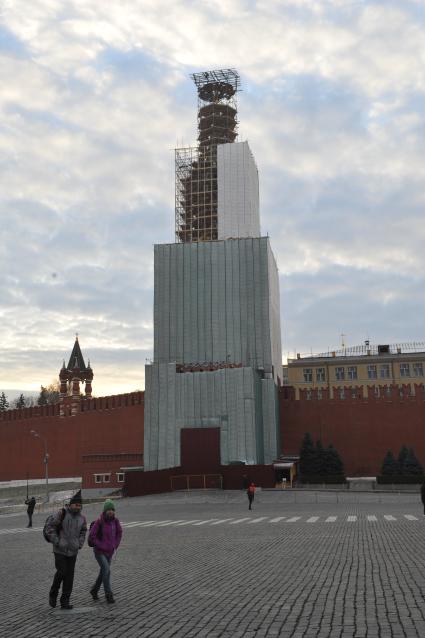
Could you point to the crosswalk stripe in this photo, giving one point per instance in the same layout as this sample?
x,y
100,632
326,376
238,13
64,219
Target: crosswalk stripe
x,y
331,519
195,520
372,518
257,520
210,520
167,523
276,520
313,519
240,520
388,517
155,523
351,519
222,520
410,517
293,519
138,523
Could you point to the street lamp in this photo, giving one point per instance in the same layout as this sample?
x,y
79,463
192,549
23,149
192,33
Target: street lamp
x,y
45,460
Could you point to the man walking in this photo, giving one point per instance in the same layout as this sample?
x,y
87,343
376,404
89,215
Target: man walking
x,y
67,531
30,509
251,492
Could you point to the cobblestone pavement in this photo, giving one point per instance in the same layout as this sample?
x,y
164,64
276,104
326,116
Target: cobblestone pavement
x,y
208,567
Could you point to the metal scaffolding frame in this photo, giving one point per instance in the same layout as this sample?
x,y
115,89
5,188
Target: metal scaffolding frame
x,y
196,190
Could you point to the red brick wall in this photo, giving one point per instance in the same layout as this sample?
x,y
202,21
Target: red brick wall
x,y
362,430
107,424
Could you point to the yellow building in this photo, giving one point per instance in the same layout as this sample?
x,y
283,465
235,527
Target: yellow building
x,y
360,366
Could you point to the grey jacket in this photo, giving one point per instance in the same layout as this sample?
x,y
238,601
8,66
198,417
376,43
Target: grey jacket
x,y
69,536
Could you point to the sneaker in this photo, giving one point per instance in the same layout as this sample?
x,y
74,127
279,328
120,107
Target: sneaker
x,y
110,598
52,600
94,595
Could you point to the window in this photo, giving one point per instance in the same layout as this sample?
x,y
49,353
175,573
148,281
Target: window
x,y
339,374
120,477
308,375
418,370
354,393
377,391
341,393
320,375
106,478
404,370
385,371
98,478
371,372
319,394
352,372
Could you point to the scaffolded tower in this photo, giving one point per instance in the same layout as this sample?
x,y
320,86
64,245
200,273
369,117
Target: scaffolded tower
x,y
196,167
217,352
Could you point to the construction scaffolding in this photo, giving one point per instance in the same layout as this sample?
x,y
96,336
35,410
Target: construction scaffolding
x,y
196,167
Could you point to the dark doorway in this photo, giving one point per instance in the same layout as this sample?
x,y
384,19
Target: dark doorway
x,y
200,450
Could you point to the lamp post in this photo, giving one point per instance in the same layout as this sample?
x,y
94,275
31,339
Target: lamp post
x,y
45,460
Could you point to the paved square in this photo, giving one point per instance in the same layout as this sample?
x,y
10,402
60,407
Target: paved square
x,y
300,565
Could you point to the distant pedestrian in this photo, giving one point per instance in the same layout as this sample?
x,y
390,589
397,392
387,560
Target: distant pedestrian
x,y
423,495
245,482
251,493
105,536
67,531
30,509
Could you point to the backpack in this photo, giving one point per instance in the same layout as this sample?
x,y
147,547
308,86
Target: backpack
x,y
49,522
99,533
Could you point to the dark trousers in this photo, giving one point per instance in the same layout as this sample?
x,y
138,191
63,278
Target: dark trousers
x,y
29,519
250,499
65,566
104,573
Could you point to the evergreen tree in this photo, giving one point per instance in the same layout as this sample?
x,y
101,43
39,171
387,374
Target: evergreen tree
x,y
390,465
4,403
402,458
333,463
20,402
42,399
320,460
412,467
307,455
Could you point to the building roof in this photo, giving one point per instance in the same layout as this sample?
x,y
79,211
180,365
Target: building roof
x,y
76,359
414,350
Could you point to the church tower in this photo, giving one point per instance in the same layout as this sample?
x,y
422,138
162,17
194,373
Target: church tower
x,y
217,346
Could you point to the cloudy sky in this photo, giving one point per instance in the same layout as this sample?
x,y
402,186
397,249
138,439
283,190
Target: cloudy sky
x,y
94,97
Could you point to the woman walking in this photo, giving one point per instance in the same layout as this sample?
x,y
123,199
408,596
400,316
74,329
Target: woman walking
x,y
105,537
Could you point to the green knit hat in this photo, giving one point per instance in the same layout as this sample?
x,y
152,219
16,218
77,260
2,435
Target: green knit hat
x,y
108,505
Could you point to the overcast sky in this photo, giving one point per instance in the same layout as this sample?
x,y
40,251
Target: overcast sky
x,y
95,95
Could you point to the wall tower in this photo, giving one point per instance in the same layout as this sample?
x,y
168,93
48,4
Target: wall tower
x,y
217,349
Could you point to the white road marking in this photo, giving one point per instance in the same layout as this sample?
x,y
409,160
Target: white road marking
x,y
276,520
257,520
331,519
372,518
210,520
139,523
313,519
240,520
166,524
351,519
388,517
195,520
410,517
222,520
293,519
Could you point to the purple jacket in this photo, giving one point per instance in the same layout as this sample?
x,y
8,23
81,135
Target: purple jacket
x,y
105,535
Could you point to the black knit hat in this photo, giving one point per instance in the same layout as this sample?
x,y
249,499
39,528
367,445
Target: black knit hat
x,y
76,498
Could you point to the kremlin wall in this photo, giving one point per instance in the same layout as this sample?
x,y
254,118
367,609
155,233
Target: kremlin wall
x,y
106,434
